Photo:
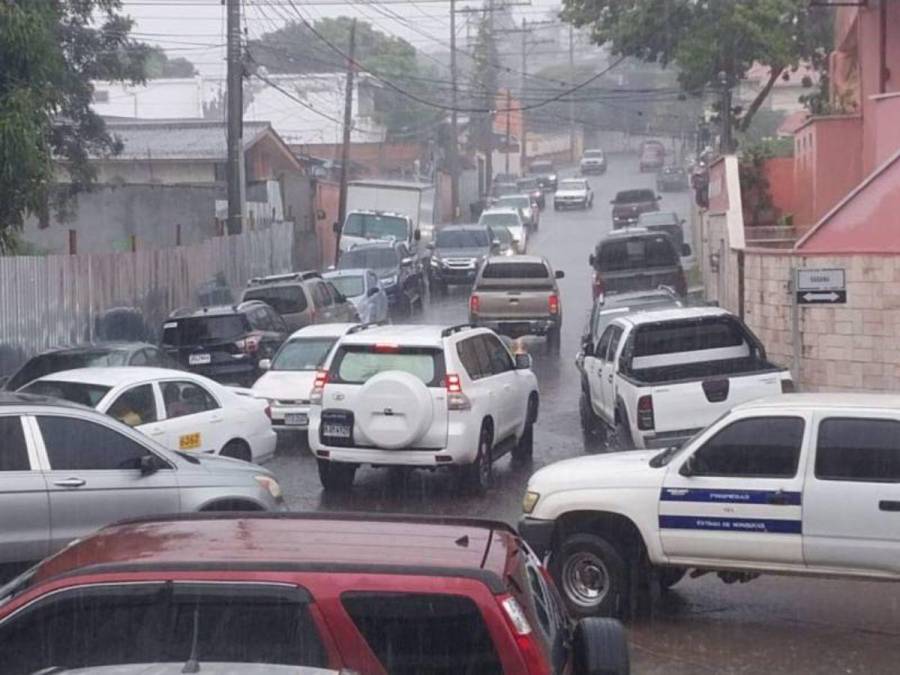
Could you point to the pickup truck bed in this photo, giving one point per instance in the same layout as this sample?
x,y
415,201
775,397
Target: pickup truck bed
x,y
685,372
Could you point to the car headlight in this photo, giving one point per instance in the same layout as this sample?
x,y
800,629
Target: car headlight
x,y
553,177
509,251
271,485
530,501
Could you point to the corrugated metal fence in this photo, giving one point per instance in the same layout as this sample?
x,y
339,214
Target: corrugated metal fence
x,y
56,300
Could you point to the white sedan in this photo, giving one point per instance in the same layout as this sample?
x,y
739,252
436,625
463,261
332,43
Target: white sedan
x,y
180,410
292,371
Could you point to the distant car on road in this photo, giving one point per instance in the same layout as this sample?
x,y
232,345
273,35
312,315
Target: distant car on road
x,y
526,206
511,219
363,290
303,593
398,268
636,259
301,298
653,155
672,178
459,250
573,193
502,242
629,204
531,186
68,470
289,378
179,410
593,161
89,355
668,222
224,343
545,172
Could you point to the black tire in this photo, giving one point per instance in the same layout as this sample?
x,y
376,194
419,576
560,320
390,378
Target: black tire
x,y
553,339
621,436
336,476
238,450
591,575
600,647
592,427
476,477
669,576
524,450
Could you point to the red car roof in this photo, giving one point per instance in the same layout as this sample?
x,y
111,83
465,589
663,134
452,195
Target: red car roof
x,y
322,542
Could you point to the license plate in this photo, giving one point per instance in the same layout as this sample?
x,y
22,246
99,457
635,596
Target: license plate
x,y
296,419
336,430
189,441
199,359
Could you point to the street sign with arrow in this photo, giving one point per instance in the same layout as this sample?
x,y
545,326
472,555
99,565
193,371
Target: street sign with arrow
x,y
821,287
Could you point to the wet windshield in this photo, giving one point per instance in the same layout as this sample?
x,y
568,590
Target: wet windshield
x,y
77,392
462,239
375,226
349,286
504,219
373,258
303,354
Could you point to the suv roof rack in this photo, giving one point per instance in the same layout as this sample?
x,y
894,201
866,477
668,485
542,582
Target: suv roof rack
x,y
290,276
458,328
366,326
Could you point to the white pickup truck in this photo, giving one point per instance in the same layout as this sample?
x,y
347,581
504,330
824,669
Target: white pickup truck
x,y
803,484
654,379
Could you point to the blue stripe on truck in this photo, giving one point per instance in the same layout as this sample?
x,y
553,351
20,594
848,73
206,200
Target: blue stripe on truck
x,y
759,525
729,496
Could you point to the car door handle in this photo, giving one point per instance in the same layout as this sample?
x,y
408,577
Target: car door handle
x,y
156,431
778,498
70,482
889,505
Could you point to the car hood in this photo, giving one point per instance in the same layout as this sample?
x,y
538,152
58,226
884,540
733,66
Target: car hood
x,y
461,252
571,193
219,464
615,469
285,384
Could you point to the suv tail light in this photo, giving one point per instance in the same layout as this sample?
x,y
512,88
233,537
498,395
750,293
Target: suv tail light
x,y
456,399
525,639
598,286
249,345
315,396
645,413
553,304
787,387
474,304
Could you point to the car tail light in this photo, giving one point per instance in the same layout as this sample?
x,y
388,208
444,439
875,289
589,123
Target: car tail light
x,y
787,387
598,286
456,399
526,641
645,413
474,304
249,345
383,348
315,396
553,303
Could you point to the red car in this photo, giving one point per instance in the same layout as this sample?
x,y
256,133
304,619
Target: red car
x,y
653,156
368,594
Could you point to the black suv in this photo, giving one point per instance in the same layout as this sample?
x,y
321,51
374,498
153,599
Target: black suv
x,y
457,254
225,343
398,268
636,259
545,172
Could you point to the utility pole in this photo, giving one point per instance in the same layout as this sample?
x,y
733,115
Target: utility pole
x,y
508,113
345,148
489,146
234,166
725,143
454,123
571,100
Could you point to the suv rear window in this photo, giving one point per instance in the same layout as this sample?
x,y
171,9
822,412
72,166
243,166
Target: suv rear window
x,y
617,255
203,329
517,270
283,299
356,364
630,196
424,633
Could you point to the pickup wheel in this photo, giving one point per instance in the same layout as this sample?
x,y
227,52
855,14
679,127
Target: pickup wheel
x,y
336,476
553,340
590,572
592,426
524,450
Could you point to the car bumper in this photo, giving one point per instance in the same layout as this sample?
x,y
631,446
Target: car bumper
x,y
453,276
517,327
570,203
538,534
624,221
298,416
593,168
262,445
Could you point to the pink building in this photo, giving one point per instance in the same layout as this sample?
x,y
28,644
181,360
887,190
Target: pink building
x,y
846,173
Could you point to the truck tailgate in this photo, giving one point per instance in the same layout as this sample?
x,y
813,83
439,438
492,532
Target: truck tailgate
x,y
680,406
514,303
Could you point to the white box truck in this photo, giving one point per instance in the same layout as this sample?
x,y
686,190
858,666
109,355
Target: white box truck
x,y
384,209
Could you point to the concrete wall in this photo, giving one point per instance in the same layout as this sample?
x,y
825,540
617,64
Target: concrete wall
x,y
886,120
780,174
155,172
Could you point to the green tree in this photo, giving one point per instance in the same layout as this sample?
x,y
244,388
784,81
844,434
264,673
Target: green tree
x,y
158,64
50,51
709,37
299,48
484,88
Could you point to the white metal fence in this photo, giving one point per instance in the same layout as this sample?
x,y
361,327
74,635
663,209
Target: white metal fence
x,y
57,300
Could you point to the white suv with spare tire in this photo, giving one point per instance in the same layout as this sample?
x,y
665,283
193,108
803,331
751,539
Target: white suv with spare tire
x,y
422,396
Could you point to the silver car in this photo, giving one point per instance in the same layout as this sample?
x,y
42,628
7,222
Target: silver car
x,y
66,470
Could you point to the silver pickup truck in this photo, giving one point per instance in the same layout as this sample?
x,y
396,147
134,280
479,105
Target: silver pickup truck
x,y
516,296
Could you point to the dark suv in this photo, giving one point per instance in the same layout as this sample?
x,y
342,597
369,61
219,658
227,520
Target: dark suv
x,y
457,254
545,172
629,204
636,260
398,268
366,594
225,343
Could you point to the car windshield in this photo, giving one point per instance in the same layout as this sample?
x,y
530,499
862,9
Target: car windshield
x,y
504,219
350,286
636,253
357,364
203,329
515,202
375,226
303,353
46,364
572,185
462,239
593,154
657,218
372,258
629,196
76,392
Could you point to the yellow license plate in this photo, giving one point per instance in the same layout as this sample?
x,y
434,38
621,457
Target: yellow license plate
x,y
189,442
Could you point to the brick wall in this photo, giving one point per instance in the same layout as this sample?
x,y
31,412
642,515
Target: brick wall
x,y
850,347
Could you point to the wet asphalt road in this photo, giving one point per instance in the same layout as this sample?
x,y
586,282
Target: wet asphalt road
x,y
771,625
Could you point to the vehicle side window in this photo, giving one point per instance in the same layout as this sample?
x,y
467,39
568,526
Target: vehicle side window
x,y
14,456
186,398
603,345
79,445
853,449
760,447
135,406
139,358
321,298
498,355
469,357
614,342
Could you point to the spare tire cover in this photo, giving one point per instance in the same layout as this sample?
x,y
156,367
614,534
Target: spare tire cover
x,y
394,409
